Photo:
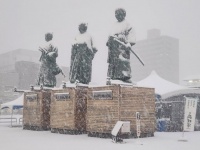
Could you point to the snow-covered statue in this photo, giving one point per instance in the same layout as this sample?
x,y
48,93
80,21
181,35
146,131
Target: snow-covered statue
x,y
82,54
48,68
119,44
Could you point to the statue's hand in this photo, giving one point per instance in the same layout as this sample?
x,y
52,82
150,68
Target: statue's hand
x,y
75,46
110,41
52,54
132,44
41,50
94,50
128,45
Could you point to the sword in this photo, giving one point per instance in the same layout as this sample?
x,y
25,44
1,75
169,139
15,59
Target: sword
x,y
71,67
122,43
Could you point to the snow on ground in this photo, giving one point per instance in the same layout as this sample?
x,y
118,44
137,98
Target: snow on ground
x,y
19,139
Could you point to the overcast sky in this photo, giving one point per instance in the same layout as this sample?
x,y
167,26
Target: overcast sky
x,y
24,22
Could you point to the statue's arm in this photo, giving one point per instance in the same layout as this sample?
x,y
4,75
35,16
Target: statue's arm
x,y
43,53
42,50
56,51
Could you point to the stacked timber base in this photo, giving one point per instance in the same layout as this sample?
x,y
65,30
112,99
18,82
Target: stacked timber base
x,y
35,128
68,110
66,131
124,136
99,134
36,110
108,104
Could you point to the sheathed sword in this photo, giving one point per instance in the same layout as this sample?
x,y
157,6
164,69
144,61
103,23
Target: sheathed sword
x,y
122,43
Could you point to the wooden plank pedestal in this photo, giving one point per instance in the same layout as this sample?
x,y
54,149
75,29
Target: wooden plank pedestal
x,y
36,110
68,110
108,104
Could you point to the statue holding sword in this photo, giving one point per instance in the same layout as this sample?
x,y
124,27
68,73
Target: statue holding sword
x,y
120,43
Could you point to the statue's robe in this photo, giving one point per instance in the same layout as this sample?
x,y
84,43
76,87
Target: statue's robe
x,y
82,54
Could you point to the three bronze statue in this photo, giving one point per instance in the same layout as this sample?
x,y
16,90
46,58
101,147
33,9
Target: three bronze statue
x,y
83,50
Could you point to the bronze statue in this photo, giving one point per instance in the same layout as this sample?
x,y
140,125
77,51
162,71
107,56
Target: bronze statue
x,y
48,68
119,43
82,54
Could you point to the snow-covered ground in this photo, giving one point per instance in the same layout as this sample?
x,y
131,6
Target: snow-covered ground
x,y
19,139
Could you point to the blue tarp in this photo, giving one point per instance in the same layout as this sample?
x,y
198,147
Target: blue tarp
x,y
17,107
162,125
14,107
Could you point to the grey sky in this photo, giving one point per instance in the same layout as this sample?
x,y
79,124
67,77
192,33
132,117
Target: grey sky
x,y
24,23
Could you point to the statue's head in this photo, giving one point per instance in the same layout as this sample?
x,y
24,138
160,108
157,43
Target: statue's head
x,y
120,14
48,36
82,27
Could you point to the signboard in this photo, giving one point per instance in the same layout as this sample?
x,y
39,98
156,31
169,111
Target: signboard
x,y
62,96
138,123
138,131
102,95
190,113
123,125
31,97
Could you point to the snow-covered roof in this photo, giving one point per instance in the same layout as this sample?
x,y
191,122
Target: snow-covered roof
x,y
18,102
182,92
161,85
192,77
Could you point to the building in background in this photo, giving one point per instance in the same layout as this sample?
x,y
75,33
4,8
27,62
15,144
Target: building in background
x,y
8,60
159,53
19,68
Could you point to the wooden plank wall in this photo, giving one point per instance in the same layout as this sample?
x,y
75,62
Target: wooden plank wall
x,y
36,112
62,113
138,99
103,114
69,114
32,110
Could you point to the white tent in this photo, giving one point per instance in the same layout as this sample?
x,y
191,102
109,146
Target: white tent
x,y
18,103
165,88
161,85
15,120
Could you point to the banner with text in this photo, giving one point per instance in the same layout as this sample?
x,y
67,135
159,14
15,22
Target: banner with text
x,y
190,113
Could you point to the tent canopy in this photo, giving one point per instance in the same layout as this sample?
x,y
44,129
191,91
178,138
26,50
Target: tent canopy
x,y
15,104
161,85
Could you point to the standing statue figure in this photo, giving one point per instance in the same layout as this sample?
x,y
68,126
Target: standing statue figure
x,y
82,54
48,68
119,45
